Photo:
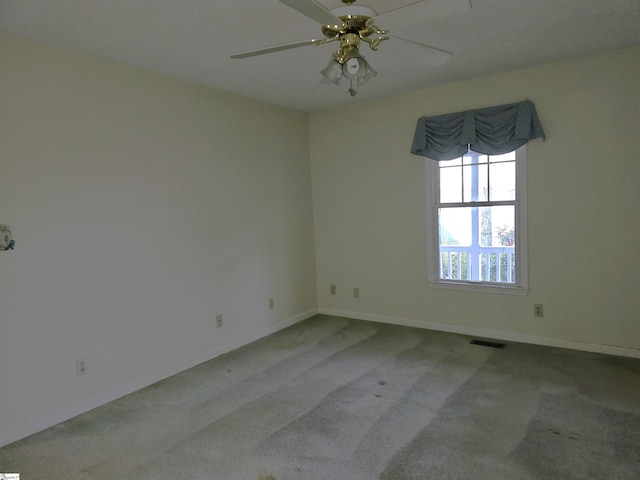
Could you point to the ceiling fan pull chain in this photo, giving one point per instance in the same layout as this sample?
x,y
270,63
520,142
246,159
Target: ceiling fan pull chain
x,y
352,91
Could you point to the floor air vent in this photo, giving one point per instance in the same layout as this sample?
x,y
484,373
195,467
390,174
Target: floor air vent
x,y
487,344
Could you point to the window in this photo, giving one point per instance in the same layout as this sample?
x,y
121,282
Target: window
x,y
477,222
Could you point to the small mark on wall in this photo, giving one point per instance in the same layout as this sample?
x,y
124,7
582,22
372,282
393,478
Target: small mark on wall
x,y
6,238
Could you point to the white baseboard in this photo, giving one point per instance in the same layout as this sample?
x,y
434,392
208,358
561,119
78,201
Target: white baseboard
x,y
494,334
59,416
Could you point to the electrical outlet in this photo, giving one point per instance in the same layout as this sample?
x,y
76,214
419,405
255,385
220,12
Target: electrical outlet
x,y
219,320
271,304
81,366
333,289
356,293
538,310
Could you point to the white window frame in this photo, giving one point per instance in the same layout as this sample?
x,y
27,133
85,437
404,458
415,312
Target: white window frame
x,y
521,286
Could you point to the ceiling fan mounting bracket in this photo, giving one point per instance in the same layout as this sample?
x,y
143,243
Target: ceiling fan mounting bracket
x,y
358,24
351,24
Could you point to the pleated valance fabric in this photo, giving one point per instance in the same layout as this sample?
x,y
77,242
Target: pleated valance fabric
x,y
492,131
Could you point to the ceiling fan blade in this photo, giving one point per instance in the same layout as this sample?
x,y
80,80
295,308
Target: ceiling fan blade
x,y
276,48
313,10
418,52
422,12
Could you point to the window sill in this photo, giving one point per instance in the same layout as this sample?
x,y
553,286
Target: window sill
x,y
480,287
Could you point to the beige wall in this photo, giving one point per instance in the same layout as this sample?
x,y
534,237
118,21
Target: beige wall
x,y
141,208
583,207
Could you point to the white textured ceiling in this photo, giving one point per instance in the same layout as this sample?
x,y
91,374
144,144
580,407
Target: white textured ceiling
x,y
193,39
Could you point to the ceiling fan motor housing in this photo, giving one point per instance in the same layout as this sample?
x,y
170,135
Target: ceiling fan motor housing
x,y
357,25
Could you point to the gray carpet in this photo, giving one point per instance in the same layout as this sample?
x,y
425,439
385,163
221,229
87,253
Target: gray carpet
x,y
331,398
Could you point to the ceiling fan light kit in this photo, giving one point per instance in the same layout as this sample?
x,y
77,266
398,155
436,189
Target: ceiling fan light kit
x,y
352,24
348,62
356,69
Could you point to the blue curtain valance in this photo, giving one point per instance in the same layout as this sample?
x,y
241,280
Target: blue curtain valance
x,y
492,131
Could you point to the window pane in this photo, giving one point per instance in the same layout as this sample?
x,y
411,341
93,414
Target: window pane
x,y
450,185
502,179
486,225
497,226
477,243
483,183
475,158
505,157
455,226
475,178
469,174
450,163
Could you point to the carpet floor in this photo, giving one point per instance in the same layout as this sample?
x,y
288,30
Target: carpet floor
x,y
333,398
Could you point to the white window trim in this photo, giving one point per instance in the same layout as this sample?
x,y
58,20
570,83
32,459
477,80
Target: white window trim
x,y
522,285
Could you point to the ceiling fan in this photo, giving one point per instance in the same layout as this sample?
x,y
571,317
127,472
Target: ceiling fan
x,y
352,24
